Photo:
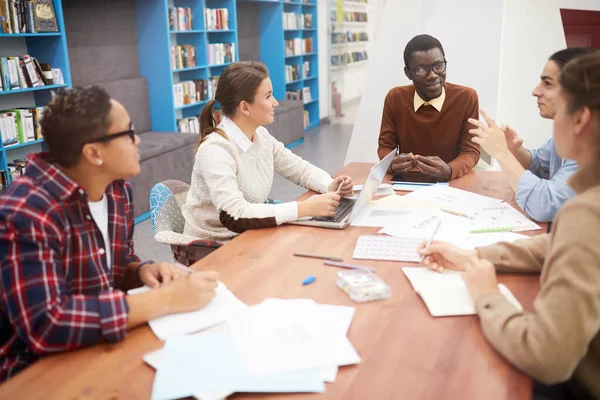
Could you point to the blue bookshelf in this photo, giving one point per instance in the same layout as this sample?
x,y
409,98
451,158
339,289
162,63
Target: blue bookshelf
x,y
272,50
47,47
155,39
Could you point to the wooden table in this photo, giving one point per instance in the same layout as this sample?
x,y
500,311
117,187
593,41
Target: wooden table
x,y
406,353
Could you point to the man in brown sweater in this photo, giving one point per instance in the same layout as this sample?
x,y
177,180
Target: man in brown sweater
x,y
427,121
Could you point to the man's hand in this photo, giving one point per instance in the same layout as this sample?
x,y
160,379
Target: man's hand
x,y
433,166
490,137
512,139
403,163
153,275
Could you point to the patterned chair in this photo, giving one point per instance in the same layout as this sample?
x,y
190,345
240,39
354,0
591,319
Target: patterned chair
x,y
166,199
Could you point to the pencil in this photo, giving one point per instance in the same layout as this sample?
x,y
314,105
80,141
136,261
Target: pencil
x,y
349,266
435,229
331,258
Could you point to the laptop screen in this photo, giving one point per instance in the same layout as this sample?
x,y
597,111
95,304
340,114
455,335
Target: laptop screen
x,y
371,185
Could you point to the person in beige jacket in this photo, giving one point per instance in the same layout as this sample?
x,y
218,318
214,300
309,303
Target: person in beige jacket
x,y
559,342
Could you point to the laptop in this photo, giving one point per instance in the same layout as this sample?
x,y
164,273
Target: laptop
x,y
350,208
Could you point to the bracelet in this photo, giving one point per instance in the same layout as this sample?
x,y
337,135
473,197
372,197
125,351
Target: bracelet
x,y
137,269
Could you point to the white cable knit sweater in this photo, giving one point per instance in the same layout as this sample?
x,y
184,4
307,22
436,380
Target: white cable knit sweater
x,y
231,181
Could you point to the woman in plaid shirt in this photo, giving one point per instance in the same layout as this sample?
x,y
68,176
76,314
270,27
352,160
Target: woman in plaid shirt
x,y
66,239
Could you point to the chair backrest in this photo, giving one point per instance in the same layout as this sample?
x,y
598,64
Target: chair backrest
x,y
166,199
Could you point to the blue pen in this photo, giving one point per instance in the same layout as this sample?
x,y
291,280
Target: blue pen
x,y
309,280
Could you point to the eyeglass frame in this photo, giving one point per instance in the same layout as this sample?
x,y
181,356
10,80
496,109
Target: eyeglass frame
x,y
108,138
429,67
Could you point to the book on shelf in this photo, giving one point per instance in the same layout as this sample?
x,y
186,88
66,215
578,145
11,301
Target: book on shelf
x,y
3,180
27,16
293,20
180,19
348,58
20,72
216,18
21,125
306,96
220,53
351,16
190,92
212,86
183,56
306,119
293,95
189,125
293,72
349,37
305,69
298,46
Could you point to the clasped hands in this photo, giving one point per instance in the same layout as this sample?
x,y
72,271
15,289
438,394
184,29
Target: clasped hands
x,y
431,166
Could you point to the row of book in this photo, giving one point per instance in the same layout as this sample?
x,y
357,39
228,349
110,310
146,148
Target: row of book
x,y
3,180
221,53
296,72
189,125
297,21
298,46
300,94
180,19
190,92
216,18
20,125
349,58
349,16
183,56
20,72
27,16
349,37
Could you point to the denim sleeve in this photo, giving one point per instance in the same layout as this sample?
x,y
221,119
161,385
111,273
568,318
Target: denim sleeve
x,y
540,160
541,198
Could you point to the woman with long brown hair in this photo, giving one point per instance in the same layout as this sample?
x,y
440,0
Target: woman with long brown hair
x,y
558,343
236,160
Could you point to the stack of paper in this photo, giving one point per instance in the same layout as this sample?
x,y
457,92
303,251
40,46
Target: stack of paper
x,y
276,346
220,308
453,200
445,293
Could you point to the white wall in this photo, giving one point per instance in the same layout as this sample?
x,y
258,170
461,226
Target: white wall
x,y
532,30
469,30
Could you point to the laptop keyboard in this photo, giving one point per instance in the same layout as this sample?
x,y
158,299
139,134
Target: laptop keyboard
x,y
341,211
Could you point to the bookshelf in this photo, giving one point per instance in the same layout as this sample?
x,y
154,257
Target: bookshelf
x,y
156,36
273,38
47,47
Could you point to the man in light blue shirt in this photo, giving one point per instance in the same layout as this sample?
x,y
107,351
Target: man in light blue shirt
x,y
539,177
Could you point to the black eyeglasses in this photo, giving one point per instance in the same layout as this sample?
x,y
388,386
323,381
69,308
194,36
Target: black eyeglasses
x,y
438,67
108,138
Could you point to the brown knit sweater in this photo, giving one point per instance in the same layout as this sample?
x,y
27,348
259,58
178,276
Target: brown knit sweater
x,y
560,341
429,132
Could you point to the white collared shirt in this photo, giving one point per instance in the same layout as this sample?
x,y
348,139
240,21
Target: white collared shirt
x,y
436,103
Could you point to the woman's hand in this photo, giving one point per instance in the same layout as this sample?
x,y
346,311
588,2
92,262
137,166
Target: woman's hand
x,y
320,205
480,277
345,190
440,255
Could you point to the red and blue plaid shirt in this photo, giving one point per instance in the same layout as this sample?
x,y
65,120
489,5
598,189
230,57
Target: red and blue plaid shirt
x,y
57,292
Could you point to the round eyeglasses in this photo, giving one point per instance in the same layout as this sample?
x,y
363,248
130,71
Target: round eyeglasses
x,y
438,67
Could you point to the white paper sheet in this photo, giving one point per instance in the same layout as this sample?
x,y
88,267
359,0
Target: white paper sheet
x,y
221,307
286,335
453,200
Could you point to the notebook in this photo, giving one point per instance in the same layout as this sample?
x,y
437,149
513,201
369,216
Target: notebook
x,y
387,248
445,294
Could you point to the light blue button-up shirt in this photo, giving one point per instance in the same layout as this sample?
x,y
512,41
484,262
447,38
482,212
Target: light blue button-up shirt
x,y
543,188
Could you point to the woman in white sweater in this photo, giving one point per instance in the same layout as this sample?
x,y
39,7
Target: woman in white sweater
x,y
235,162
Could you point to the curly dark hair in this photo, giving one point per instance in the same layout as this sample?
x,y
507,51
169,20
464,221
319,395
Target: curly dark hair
x,y
72,118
